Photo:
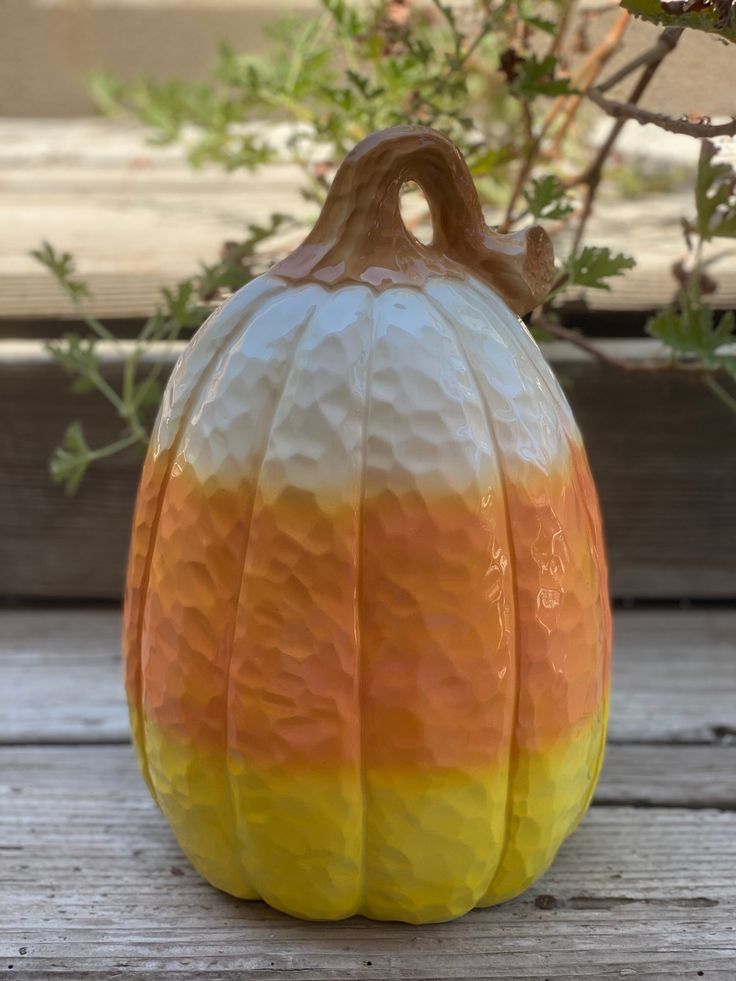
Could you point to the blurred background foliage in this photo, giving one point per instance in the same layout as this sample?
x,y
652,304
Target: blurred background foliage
x,y
514,84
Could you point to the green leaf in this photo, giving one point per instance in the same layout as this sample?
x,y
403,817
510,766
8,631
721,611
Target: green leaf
x,y
715,195
547,198
713,16
107,92
179,306
691,331
70,459
346,17
537,76
148,394
77,356
484,160
541,23
62,267
594,265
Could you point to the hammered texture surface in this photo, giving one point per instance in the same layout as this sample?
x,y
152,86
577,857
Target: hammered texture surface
x,y
366,624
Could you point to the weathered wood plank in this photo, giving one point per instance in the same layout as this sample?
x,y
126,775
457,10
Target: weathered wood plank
x,y
659,449
669,776
95,887
31,295
65,181
63,668
673,676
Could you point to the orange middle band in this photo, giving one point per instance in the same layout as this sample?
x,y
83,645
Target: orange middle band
x,y
405,658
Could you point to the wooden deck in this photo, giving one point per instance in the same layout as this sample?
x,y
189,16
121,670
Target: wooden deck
x,y
137,217
93,885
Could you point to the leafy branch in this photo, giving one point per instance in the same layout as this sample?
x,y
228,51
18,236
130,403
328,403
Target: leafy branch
x,y
696,344
505,81
713,16
135,399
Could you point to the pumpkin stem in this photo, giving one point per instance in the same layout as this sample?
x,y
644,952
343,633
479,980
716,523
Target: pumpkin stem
x,y
360,236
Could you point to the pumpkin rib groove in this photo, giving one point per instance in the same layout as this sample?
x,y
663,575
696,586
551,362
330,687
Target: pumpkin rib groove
x,y
300,334
517,337
360,667
170,453
537,360
596,543
137,647
448,320
595,536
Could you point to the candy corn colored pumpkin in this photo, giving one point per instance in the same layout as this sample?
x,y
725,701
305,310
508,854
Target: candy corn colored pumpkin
x,y
366,624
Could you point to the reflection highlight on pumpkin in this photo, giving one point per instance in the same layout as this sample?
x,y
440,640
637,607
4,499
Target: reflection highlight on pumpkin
x,y
391,704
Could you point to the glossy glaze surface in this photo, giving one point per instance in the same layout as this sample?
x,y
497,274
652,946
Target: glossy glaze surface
x,y
360,235
366,625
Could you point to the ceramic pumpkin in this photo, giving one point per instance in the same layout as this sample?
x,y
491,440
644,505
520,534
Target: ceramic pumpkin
x,y
366,621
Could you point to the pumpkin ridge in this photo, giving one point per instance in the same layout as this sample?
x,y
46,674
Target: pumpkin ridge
x,y
448,321
361,237
300,335
531,353
170,452
592,521
597,545
359,617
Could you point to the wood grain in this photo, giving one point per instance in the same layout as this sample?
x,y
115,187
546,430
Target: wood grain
x,y
654,775
674,676
64,669
95,886
659,449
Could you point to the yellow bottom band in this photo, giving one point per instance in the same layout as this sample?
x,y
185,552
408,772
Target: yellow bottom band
x,y
396,845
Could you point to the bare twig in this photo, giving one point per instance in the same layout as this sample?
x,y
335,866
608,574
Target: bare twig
x,y
533,146
720,392
586,74
591,176
646,365
625,110
561,29
591,68
645,58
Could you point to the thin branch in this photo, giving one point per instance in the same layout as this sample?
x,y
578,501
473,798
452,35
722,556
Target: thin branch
x,y
625,110
645,365
591,176
118,447
532,149
585,75
720,392
485,28
561,29
662,47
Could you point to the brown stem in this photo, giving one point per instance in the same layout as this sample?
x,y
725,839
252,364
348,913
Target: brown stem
x,y
625,110
661,46
561,28
360,236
